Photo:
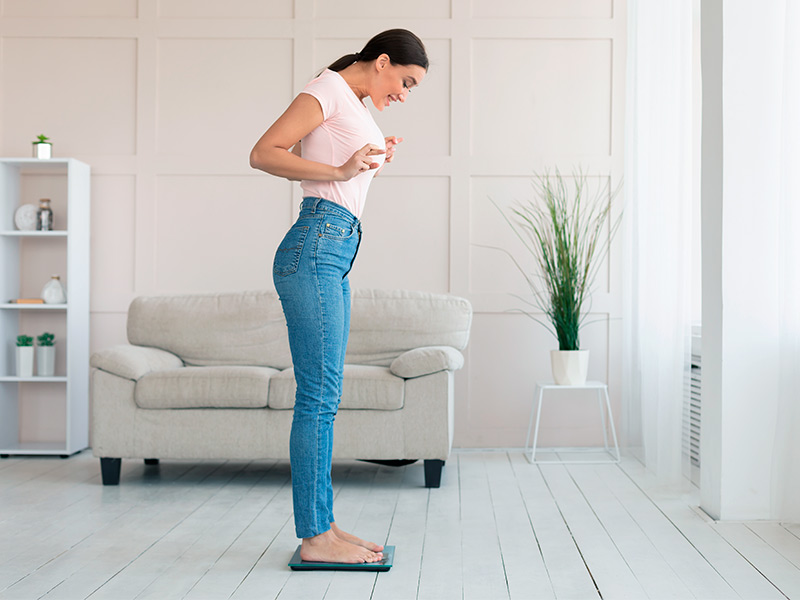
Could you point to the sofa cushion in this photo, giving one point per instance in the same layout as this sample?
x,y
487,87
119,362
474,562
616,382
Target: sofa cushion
x,y
236,328
385,324
205,387
364,387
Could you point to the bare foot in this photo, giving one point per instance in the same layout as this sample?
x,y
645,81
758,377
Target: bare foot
x,y
328,547
349,537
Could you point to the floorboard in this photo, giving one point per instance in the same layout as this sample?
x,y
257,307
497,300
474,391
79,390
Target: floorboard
x,y
681,508
689,565
407,531
613,576
526,574
766,560
566,570
486,575
441,570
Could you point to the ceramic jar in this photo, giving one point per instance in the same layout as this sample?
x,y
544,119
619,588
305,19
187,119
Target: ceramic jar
x,y
53,292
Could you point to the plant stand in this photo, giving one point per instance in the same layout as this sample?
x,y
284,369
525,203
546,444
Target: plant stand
x,y
602,391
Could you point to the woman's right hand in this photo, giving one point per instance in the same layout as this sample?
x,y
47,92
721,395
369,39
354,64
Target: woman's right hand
x,y
360,162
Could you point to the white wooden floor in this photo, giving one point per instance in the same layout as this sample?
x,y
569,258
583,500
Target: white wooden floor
x,y
498,528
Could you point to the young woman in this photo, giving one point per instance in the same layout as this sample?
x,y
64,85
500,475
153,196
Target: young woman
x,y
328,140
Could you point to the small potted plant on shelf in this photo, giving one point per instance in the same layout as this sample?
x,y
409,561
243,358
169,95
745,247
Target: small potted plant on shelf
x,y
24,356
45,355
567,237
42,148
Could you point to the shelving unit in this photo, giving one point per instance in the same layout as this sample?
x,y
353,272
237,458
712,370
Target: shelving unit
x,y
72,384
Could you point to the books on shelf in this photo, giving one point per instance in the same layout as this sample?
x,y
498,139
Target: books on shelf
x,y
26,301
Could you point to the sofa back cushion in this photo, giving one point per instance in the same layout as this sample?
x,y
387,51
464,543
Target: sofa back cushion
x,y
384,324
248,328
241,328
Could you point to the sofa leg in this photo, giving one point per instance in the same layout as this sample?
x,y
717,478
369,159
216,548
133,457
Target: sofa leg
x,y
151,461
433,472
109,469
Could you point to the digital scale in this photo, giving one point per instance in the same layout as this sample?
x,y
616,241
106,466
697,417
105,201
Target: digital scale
x,y
298,564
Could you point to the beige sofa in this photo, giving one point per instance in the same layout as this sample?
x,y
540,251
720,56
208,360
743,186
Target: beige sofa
x,y
208,376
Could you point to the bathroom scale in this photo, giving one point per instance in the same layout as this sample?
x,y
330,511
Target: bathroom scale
x,y
298,564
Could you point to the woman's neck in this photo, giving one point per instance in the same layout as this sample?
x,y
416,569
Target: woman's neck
x,y
356,76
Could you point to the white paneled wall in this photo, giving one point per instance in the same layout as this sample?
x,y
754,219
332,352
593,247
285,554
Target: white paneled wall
x,y
165,99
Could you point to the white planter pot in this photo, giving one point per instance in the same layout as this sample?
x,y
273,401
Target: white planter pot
x,y
42,150
24,361
569,366
45,361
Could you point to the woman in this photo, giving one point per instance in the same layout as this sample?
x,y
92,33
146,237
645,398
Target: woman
x,y
336,150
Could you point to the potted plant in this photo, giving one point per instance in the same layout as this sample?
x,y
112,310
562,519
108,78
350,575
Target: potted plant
x,y
24,356
42,148
567,237
45,355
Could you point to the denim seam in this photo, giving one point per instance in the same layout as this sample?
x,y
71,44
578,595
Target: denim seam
x,y
321,384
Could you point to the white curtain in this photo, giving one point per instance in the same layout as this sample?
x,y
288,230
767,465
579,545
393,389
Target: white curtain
x,y
786,450
657,231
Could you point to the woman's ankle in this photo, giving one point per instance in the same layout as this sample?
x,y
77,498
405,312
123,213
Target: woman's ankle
x,y
320,537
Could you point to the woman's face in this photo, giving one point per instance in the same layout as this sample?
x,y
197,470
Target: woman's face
x,y
393,83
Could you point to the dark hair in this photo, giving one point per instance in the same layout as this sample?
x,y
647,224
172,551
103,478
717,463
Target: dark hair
x,y
402,46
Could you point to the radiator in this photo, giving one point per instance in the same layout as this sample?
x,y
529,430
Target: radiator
x,y
692,398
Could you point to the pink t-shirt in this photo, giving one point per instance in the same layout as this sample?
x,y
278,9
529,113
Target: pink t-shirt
x,y
348,126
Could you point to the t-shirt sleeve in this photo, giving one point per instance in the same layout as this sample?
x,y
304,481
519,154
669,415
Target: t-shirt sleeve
x,y
323,90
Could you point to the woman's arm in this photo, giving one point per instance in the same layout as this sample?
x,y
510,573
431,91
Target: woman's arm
x,y
272,155
272,152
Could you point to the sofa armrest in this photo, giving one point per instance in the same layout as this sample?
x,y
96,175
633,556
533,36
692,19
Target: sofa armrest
x,y
427,360
134,362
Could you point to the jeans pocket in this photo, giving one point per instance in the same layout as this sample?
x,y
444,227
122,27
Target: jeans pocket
x,y
287,257
337,228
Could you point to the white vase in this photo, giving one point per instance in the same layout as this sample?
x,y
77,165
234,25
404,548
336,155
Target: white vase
x,y
24,361
569,366
53,292
45,361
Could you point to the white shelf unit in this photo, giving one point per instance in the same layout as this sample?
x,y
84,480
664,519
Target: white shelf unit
x,y
72,385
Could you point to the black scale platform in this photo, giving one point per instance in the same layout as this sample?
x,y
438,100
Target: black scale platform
x,y
297,564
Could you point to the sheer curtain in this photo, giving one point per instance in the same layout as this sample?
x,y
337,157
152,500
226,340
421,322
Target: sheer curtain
x,y
657,233
786,466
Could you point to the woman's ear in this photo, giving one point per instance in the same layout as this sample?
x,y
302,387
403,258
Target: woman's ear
x,y
383,61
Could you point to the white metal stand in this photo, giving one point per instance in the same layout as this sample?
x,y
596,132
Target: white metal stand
x,y
602,391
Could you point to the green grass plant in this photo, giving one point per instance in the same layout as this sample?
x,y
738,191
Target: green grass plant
x,y
566,234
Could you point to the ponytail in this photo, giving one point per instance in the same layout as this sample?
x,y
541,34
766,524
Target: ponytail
x,y
402,47
345,62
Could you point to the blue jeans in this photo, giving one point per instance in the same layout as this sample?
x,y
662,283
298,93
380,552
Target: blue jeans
x,y
310,274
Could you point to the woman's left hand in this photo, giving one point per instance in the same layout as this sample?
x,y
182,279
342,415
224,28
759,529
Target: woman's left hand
x,y
391,142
